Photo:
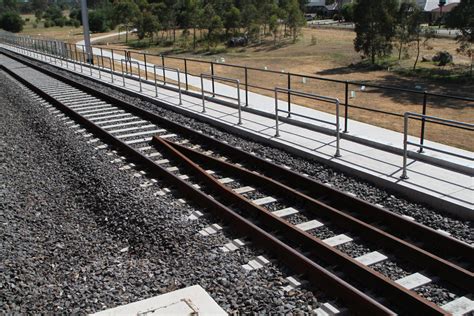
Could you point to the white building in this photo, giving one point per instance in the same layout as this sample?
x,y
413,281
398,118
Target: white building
x,y
430,5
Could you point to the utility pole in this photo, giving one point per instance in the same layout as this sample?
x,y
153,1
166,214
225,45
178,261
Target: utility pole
x,y
85,26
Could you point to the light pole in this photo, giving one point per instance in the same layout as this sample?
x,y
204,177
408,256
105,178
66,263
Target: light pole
x,y
85,26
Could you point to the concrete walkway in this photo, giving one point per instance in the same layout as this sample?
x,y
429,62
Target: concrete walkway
x,y
439,187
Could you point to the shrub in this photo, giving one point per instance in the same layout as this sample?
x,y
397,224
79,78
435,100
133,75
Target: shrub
x,y
443,58
12,22
97,21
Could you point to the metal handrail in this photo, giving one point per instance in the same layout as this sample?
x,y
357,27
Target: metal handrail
x,y
139,73
178,72
203,91
103,66
313,97
432,119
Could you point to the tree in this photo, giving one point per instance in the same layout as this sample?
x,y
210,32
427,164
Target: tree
x,y
374,27
462,18
347,12
125,12
232,19
273,26
11,22
408,27
97,21
146,24
295,19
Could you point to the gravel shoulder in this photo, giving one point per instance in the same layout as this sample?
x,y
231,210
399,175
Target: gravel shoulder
x,y
80,236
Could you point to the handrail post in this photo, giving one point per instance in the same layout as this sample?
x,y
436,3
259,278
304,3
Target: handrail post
x,y
146,68
186,73
156,85
113,60
163,66
422,136
277,131
246,88
203,98
338,136
139,77
238,101
213,87
346,107
102,56
289,95
405,146
98,67
179,87
123,74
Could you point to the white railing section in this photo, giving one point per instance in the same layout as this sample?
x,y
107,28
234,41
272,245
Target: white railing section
x,y
224,79
430,119
313,97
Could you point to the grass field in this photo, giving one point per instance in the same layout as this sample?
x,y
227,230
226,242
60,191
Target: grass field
x,y
329,53
69,34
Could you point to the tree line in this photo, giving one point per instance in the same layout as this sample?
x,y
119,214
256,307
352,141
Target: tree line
x,y
380,25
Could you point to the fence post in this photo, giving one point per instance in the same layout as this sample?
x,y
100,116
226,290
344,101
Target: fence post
x,y
422,136
186,72
346,107
246,87
405,147
113,60
277,131
238,100
289,95
163,68
146,67
212,73
203,97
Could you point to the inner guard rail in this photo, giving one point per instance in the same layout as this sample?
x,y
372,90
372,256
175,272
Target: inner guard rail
x,y
290,92
430,119
213,78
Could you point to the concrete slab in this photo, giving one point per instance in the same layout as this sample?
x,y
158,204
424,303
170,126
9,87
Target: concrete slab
x,y
413,281
460,306
193,300
337,240
309,225
371,258
264,200
244,190
285,212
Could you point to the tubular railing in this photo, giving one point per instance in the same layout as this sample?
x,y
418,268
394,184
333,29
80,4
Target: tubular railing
x,y
42,45
102,57
214,78
313,97
430,119
178,73
126,61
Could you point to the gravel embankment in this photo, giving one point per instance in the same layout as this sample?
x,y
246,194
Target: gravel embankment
x,y
80,236
436,219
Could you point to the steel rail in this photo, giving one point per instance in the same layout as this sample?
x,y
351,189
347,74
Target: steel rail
x,y
442,245
405,300
352,297
449,271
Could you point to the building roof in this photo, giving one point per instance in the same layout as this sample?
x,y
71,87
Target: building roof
x,y
430,5
446,8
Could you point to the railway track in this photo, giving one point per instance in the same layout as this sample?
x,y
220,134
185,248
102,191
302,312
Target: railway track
x,y
304,223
